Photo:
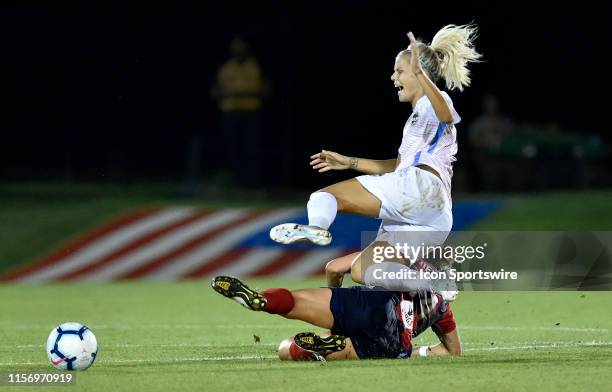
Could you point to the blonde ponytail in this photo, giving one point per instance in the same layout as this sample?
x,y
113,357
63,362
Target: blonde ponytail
x,y
453,47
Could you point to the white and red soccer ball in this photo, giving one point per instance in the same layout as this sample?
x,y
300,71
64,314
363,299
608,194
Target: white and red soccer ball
x,y
72,346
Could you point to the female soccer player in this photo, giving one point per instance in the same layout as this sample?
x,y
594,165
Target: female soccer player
x,y
364,323
410,193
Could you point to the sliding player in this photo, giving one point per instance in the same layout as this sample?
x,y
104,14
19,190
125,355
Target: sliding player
x,y
364,322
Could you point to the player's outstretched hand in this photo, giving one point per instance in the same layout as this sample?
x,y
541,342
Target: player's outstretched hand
x,y
329,160
415,65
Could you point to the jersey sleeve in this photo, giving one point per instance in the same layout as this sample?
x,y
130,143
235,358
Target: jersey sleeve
x,y
431,113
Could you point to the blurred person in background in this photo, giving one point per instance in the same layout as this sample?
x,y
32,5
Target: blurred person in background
x,y
239,91
488,130
487,133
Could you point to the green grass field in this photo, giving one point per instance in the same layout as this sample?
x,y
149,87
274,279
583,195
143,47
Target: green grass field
x,y
183,336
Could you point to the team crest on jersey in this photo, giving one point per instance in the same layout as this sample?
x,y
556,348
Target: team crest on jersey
x,y
407,309
414,118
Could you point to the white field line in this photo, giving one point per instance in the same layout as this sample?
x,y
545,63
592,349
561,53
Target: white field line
x,y
159,326
263,357
540,346
504,328
184,359
176,345
474,346
280,326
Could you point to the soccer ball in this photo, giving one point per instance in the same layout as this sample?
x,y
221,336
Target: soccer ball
x,y
72,346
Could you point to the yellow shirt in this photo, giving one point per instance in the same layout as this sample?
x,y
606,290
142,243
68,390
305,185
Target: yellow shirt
x,y
240,85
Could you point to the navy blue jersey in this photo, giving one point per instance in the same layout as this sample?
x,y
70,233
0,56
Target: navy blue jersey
x,y
381,324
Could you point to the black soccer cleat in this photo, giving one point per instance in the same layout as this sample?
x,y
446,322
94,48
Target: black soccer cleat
x,y
233,288
320,346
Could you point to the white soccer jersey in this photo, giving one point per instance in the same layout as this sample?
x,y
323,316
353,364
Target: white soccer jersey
x,y
427,141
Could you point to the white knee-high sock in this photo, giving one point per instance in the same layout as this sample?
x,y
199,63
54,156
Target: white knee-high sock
x,y
322,209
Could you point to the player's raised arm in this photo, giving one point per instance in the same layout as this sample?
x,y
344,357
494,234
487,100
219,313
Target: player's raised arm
x,y
329,160
440,106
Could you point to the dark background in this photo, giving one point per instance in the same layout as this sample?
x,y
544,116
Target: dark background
x,y
116,93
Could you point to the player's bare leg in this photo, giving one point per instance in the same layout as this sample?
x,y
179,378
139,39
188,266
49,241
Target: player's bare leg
x,y
353,198
346,196
309,305
312,306
366,258
355,263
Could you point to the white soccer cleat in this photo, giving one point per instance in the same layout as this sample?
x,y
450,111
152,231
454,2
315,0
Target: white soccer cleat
x,y
288,233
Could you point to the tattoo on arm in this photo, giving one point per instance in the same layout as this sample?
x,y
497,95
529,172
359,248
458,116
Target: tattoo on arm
x,y
353,163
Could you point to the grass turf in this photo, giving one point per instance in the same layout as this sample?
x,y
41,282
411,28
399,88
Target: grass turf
x,y
569,210
183,336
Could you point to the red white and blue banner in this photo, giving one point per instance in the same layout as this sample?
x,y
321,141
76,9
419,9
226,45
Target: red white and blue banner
x,y
181,242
